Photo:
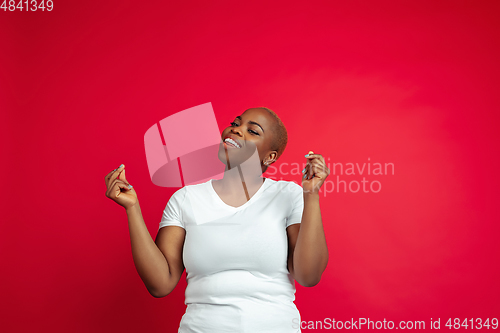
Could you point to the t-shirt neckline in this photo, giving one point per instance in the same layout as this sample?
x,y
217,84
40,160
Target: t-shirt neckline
x,y
225,205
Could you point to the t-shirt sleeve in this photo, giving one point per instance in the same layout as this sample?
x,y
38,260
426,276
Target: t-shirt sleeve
x,y
172,214
297,200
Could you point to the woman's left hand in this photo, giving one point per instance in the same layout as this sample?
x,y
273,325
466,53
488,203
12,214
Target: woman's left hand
x,y
315,173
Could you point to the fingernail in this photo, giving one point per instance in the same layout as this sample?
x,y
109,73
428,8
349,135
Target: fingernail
x,y
120,166
130,186
303,170
115,169
306,155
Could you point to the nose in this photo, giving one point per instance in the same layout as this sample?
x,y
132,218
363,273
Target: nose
x,y
236,130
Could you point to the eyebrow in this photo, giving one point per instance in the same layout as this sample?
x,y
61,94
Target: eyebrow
x,y
252,122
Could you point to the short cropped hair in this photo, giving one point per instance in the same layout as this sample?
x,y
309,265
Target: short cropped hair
x,y
280,135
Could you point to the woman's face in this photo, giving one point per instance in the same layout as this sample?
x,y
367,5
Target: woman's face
x,y
253,129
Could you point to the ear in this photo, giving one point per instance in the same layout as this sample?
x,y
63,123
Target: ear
x,y
272,156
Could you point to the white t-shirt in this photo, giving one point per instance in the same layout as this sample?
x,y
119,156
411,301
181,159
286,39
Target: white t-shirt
x,y
236,258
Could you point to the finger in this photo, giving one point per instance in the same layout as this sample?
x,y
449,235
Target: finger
x,y
110,175
117,185
318,164
312,157
120,187
126,184
309,171
320,157
306,171
318,161
313,167
121,176
106,178
315,160
115,174
312,172
317,169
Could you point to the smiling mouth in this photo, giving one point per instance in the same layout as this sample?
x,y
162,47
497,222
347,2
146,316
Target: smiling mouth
x,y
230,143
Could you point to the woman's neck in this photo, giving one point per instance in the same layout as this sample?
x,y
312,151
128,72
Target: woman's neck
x,y
234,179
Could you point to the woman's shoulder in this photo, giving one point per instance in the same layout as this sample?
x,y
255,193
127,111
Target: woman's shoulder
x,y
285,185
180,194
198,186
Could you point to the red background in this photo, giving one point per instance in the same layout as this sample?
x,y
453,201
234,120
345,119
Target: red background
x,y
414,84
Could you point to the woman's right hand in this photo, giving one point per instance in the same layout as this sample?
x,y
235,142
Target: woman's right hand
x,y
118,188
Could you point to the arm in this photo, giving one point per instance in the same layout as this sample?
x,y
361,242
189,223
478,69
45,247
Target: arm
x,y
307,249
158,263
308,252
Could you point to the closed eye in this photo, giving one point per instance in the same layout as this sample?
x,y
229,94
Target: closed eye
x,y
233,124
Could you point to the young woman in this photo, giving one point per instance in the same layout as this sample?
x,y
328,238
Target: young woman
x,y
243,239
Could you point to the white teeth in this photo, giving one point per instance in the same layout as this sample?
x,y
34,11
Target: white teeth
x,y
232,142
